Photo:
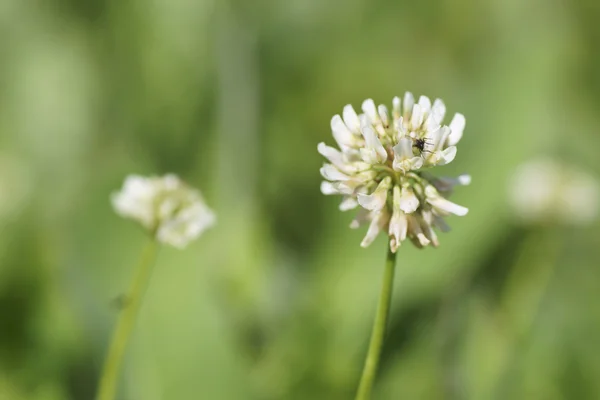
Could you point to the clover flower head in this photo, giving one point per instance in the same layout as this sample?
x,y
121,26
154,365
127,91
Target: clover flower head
x,y
547,190
168,208
381,165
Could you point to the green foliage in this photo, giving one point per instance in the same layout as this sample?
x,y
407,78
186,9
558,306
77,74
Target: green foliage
x,y
276,301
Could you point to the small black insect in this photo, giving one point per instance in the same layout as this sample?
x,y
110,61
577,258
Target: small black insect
x,y
420,145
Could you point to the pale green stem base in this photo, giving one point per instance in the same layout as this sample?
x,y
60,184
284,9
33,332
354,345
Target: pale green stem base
x,y
379,328
112,365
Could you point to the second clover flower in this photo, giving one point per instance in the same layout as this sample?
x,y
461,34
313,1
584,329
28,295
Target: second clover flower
x,y
173,212
381,165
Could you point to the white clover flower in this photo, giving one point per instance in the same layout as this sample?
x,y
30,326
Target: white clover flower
x,y
546,190
381,163
168,208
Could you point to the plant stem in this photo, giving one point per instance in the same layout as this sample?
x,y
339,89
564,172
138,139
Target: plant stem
x,y
112,365
379,328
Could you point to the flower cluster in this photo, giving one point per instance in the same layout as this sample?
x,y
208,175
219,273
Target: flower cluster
x,y
168,208
545,190
381,165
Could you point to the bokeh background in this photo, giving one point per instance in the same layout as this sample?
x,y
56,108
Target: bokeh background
x,y
276,302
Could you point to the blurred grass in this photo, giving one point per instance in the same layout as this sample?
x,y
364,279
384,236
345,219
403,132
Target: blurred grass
x,y
276,302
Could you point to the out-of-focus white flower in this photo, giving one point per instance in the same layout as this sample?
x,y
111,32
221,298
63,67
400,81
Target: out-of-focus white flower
x,y
546,190
381,162
172,211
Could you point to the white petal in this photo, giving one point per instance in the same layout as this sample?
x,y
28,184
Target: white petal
x,y
396,107
417,116
434,158
398,223
404,149
171,182
376,200
396,195
331,173
351,119
435,145
365,176
402,165
427,216
448,155
332,154
339,159
327,188
429,233
134,188
351,155
364,121
372,202
438,111
358,166
448,206
464,179
408,200
446,131
167,207
368,106
422,239
369,156
136,200
433,197
425,104
384,115
409,102
415,163
400,227
377,223
192,218
401,127
372,142
457,126
346,187
341,133
179,231
348,203
415,229
434,140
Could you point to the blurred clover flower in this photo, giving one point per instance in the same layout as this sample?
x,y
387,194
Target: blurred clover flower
x,y
168,208
546,190
173,213
381,165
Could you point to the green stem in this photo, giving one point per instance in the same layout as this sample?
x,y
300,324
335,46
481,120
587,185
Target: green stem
x,y
379,328
112,365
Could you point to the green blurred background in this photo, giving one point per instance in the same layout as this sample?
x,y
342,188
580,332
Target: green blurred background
x,y
277,300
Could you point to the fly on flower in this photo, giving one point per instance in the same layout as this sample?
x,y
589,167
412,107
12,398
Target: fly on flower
x,y
420,145
381,165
